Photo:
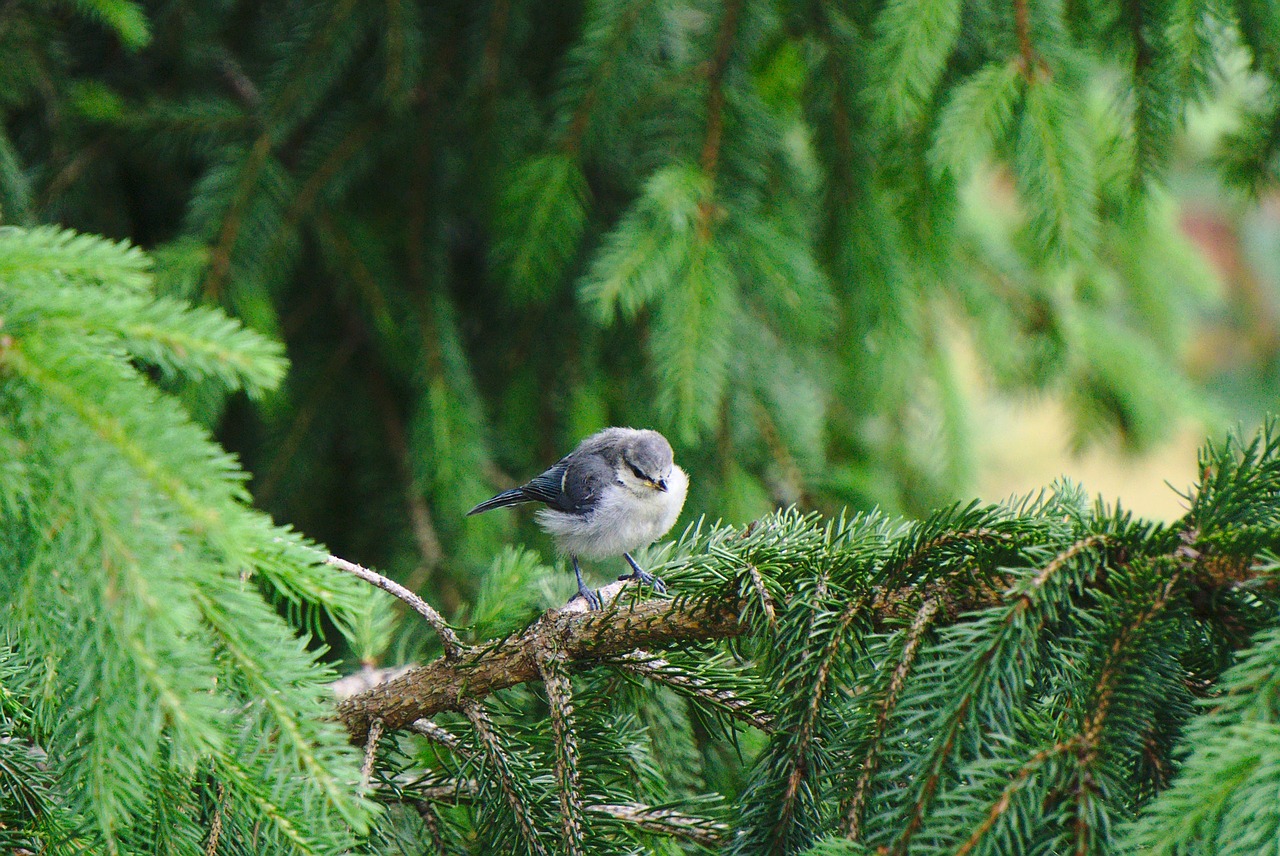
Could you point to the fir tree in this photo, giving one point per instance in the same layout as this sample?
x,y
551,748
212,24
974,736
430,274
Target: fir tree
x,y
483,230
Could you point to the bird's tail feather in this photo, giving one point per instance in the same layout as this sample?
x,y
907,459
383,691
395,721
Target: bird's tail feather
x,y
515,496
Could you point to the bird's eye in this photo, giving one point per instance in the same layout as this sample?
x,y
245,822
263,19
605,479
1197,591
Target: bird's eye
x,y
636,471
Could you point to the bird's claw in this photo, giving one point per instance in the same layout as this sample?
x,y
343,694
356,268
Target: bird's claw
x,y
648,579
591,597
643,576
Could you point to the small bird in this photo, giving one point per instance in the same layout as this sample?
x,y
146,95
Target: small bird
x,y
618,491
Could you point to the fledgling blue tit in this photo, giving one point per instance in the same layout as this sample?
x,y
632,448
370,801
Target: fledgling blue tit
x,y
617,492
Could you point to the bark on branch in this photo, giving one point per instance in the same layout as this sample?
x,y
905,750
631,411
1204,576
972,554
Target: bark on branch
x,y
582,636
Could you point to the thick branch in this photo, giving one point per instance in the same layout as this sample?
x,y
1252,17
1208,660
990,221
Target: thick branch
x,y
582,636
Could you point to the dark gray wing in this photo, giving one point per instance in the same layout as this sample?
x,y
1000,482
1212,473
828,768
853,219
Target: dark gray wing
x,y
572,485
581,479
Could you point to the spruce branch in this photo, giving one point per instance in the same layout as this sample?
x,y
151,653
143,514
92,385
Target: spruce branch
x,y
660,670
318,51
578,124
215,827
710,158
869,762
1017,781
700,830
590,638
1025,598
496,759
799,752
555,678
220,255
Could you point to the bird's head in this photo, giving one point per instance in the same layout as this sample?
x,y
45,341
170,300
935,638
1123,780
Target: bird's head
x,y
646,462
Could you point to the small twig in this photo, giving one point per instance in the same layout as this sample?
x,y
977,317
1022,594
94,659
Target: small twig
x,y
370,751
1016,781
757,582
475,712
215,828
431,731
700,830
710,158
452,644
658,669
441,788
661,821
853,815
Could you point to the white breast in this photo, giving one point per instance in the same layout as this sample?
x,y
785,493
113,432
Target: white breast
x,y
622,521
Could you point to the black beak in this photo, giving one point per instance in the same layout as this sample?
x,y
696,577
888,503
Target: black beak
x,y
660,484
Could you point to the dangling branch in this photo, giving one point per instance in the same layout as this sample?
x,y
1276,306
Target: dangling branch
x,y
475,712
710,159
923,620
708,833
370,753
560,699
662,671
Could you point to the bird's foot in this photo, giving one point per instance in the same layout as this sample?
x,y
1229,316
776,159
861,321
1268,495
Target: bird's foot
x,y
643,576
584,591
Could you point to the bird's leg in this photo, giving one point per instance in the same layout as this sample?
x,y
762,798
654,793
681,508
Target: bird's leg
x,y
592,599
643,576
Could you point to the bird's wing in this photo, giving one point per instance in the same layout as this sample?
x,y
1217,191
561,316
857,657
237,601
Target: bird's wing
x,y
547,487
581,481
572,485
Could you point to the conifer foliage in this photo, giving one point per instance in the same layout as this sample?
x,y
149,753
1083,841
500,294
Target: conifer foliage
x,y
482,230
485,229
151,689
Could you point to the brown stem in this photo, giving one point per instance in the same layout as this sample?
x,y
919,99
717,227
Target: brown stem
x,y
582,636
862,790
1030,61
370,753
715,88
453,648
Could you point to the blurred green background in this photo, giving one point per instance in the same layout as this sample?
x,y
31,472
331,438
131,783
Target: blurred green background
x,y
833,276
